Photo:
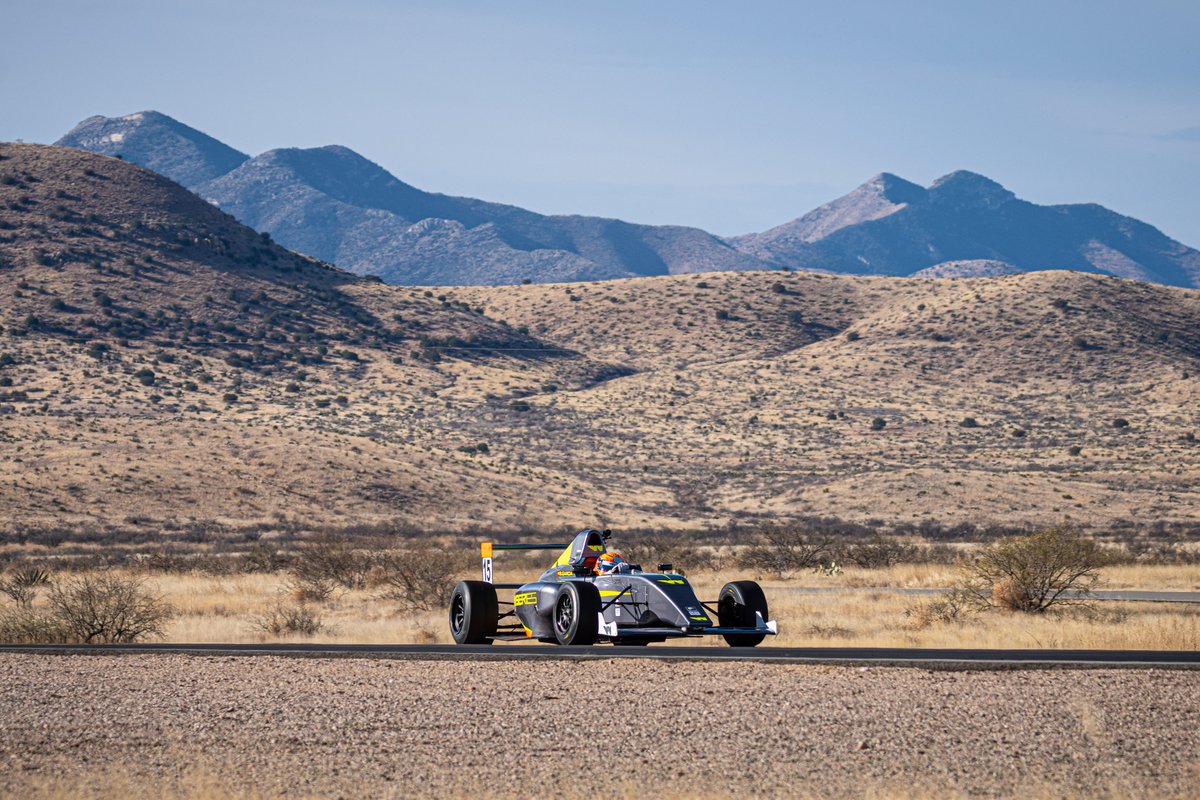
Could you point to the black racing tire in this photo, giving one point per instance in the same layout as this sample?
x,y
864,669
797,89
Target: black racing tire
x,y
576,613
474,612
737,605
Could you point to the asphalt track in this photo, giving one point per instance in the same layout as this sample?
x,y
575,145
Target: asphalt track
x,y
846,656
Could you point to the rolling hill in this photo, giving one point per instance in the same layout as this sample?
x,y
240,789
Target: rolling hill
x,y
163,368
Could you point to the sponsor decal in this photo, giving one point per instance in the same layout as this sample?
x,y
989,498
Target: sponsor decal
x,y
525,599
676,581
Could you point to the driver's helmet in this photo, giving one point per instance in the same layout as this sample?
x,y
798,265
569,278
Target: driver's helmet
x,y
608,562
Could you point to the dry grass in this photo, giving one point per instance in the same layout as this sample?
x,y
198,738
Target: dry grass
x,y
858,617
843,612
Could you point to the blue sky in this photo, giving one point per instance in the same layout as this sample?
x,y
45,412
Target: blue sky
x,y
731,117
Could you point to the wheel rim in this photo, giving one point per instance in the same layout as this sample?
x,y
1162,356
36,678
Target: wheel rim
x,y
458,614
565,613
728,608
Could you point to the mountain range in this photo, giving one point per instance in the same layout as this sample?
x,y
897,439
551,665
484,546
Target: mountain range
x,y
967,225
332,204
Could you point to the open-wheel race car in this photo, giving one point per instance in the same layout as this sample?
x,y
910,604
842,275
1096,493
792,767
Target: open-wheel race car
x,y
590,594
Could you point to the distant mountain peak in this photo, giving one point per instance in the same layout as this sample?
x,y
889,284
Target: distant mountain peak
x,y
968,224
893,188
971,186
158,142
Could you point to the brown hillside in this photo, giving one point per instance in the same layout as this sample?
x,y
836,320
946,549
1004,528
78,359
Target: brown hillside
x,y
746,414
162,366
160,361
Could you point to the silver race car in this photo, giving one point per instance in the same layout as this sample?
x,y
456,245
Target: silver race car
x,y
572,604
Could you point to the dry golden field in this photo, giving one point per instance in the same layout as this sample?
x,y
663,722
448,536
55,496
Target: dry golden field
x,y
852,609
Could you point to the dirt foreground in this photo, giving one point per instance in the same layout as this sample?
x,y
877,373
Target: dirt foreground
x,y
184,726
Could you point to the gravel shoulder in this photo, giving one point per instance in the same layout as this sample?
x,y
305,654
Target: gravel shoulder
x,y
192,726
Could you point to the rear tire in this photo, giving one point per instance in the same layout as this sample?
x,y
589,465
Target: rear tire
x,y
474,612
576,613
737,606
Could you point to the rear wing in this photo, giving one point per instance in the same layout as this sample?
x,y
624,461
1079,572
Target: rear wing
x,y
486,549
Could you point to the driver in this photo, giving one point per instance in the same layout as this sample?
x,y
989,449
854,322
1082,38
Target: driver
x,y
610,562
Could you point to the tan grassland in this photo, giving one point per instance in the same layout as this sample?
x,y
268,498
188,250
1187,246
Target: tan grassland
x,y
842,613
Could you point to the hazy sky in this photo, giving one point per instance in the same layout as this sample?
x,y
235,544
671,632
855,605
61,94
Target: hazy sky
x,y
730,116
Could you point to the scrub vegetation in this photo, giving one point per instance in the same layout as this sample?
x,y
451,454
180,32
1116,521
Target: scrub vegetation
x,y
391,586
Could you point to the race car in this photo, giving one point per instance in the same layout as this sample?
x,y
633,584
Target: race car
x,y
572,604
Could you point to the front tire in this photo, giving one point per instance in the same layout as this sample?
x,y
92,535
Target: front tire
x,y
737,607
576,613
474,612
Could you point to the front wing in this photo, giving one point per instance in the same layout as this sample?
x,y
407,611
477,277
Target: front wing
x,y
610,630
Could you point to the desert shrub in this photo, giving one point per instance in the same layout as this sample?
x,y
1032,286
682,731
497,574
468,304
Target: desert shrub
x,y
263,557
288,619
878,553
968,422
1036,572
420,578
878,424
22,585
106,608
782,551
326,563
952,606
26,626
